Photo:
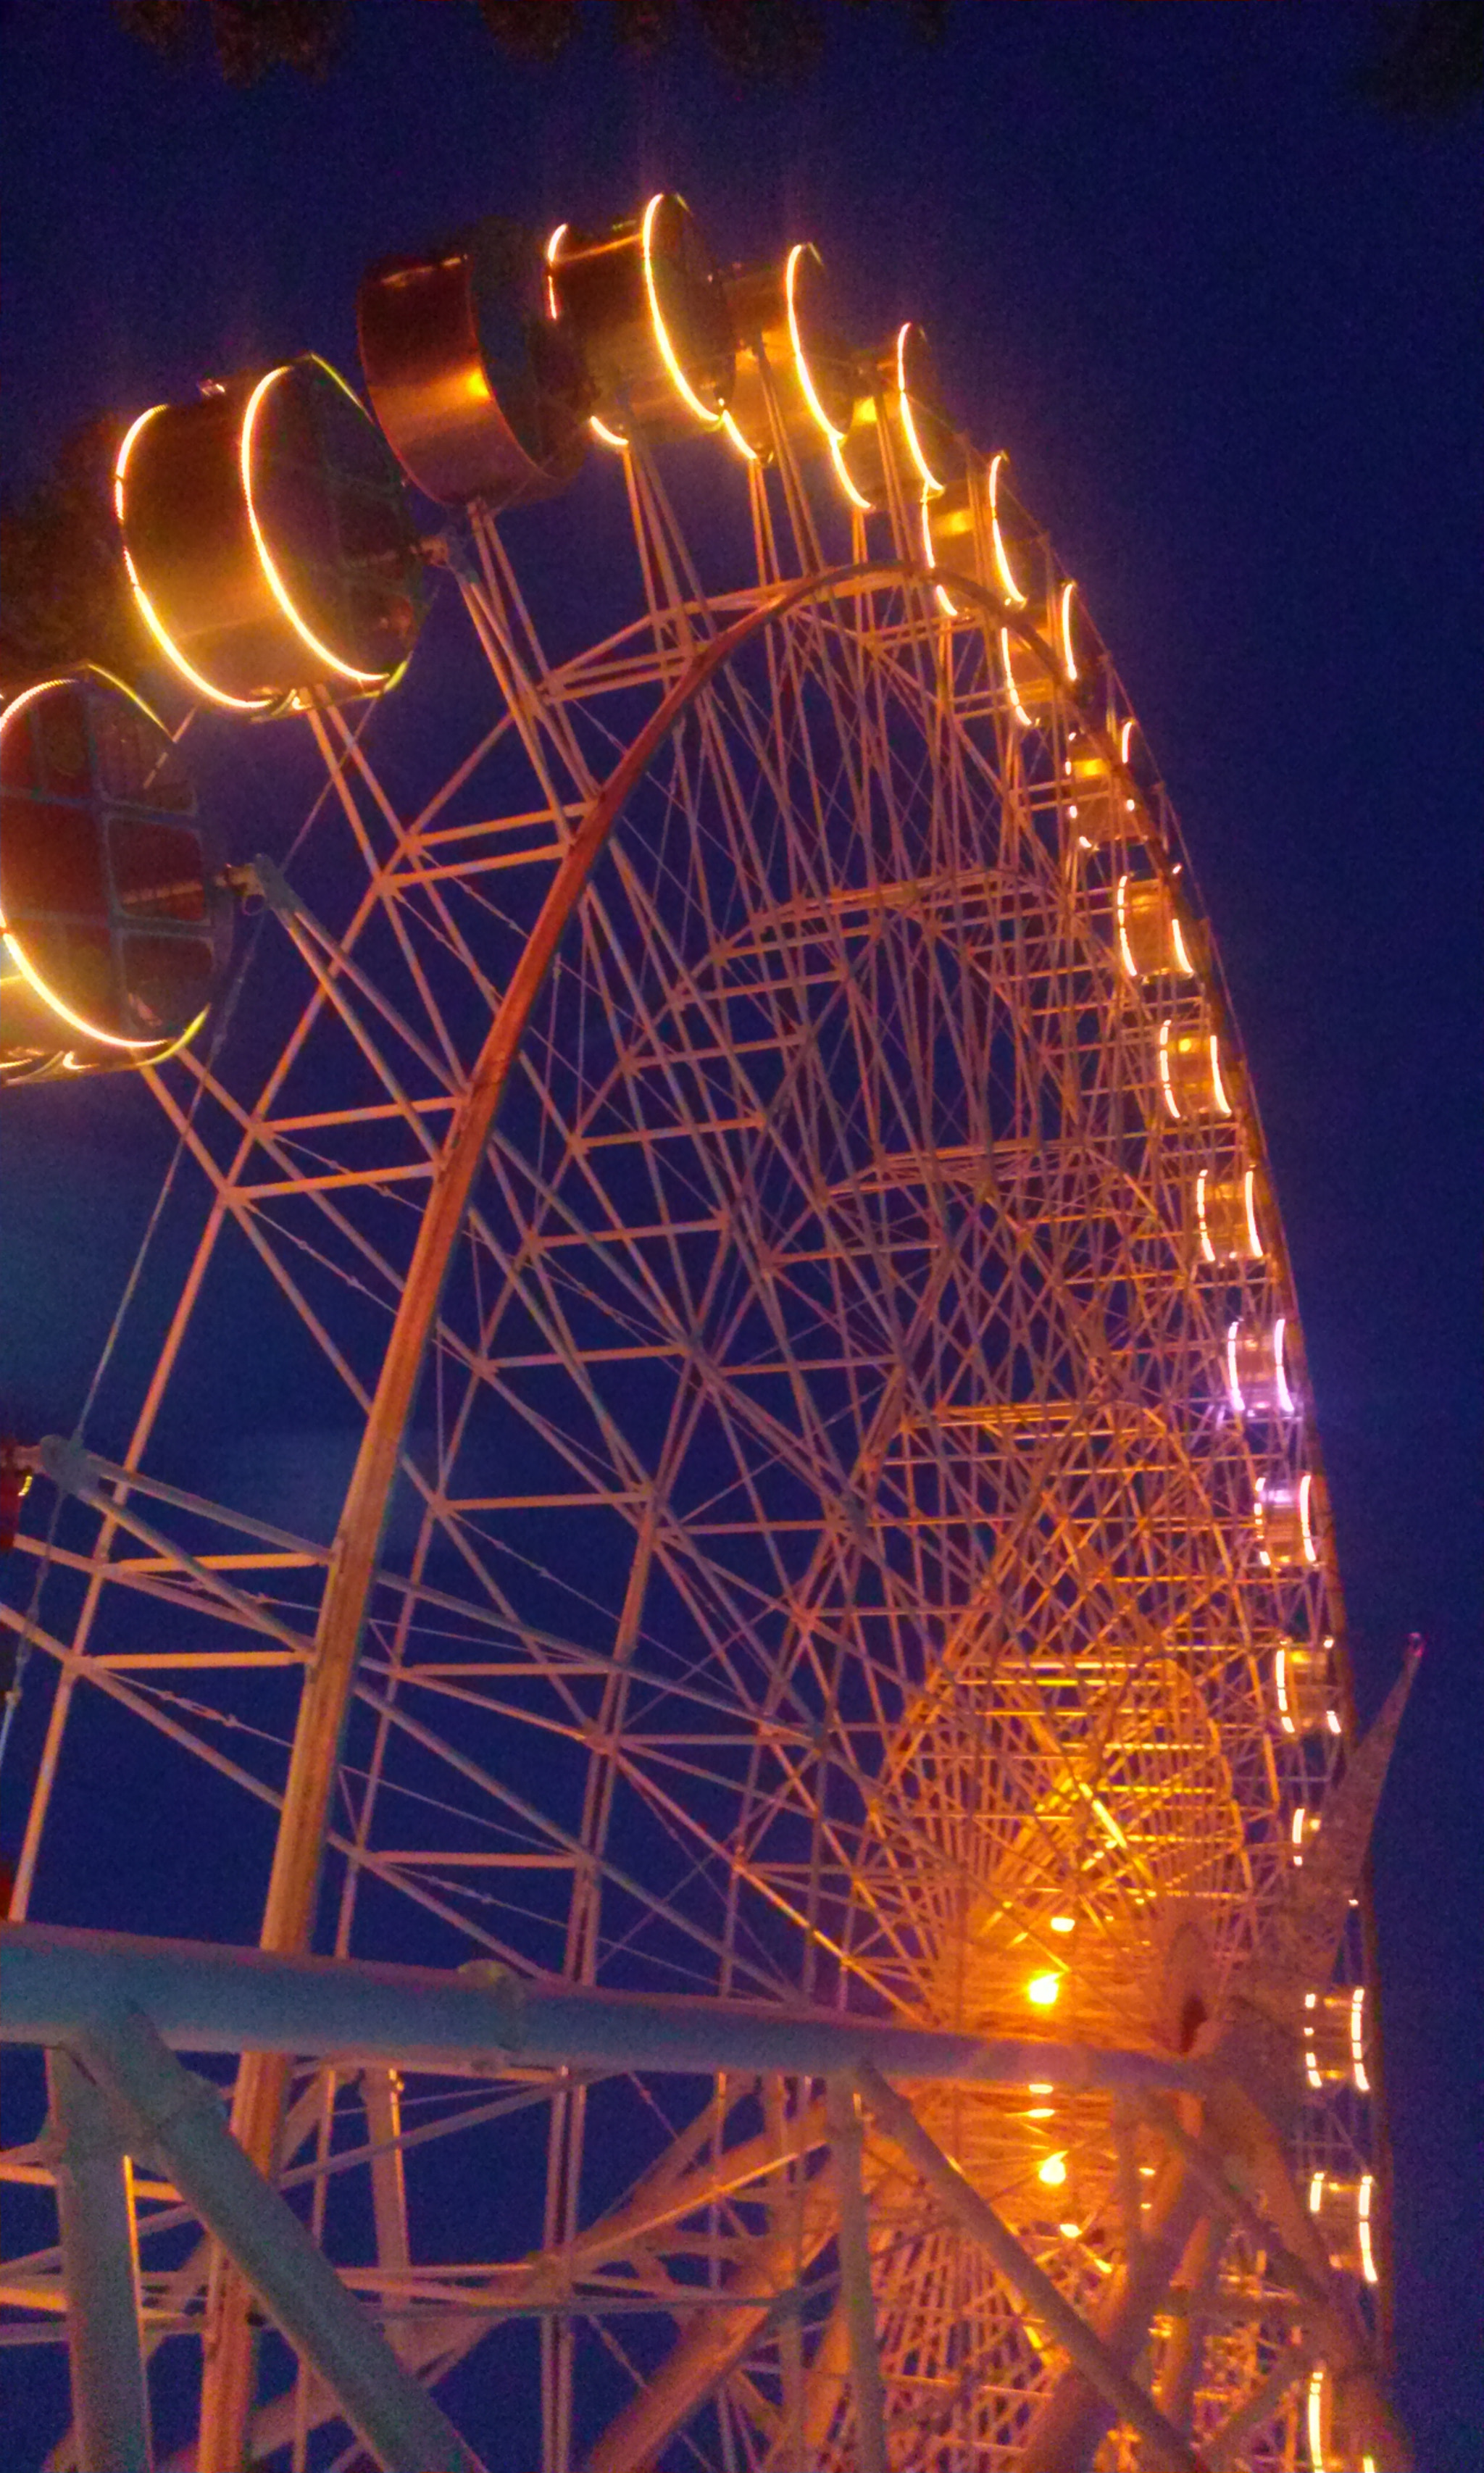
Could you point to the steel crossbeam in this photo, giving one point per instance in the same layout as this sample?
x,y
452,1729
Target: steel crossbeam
x,y
55,1982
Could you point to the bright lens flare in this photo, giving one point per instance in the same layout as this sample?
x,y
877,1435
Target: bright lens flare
x,y
677,379
1043,1991
1053,2172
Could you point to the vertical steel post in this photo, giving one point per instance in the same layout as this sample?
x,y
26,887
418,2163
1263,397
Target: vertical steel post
x,y
180,2118
101,2265
846,2142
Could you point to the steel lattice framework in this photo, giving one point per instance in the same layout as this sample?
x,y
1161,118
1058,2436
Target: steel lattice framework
x,y
825,1555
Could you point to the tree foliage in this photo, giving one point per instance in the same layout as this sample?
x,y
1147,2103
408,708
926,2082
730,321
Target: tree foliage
x,y
752,38
65,596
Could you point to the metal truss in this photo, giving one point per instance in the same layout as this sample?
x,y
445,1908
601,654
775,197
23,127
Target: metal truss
x,y
784,1541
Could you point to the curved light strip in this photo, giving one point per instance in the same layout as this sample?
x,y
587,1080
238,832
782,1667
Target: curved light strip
x,y
1234,1387
1250,1204
1208,1249
1126,741
600,431
1166,1084
667,352
12,943
1305,1518
1281,1380
553,310
64,1012
1011,690
1281,1691
1316,2191
1065,634
275,584
817,412
147,611
738,441
1121,913
1363,2226
929,478
1182,961
1003,566
1357,2044
854,496
1218,1086
947,605
1317,2456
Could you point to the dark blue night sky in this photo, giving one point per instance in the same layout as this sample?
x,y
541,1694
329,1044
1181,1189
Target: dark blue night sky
x,y
1225,318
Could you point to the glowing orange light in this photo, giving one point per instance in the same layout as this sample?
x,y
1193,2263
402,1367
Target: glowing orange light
x,y
679,380
1070,2232
1279,1365
1183,961
1039,2086
1121,913
1208,1249
12,943
551,246
1063,1922
929,478
732,432
1040,2112
275,584
1003,566
609,437
1053,2172
1357,2039
1016,705
1218,1086
1045,1991
1166,1084
1280,1687
1125,742
1065,632
1250,1204
1316,2420
854,496
817,412
146,608
1363,2227
1316,2191
946,603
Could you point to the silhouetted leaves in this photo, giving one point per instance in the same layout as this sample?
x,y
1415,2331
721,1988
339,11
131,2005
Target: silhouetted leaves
x,y
64,594
1428,61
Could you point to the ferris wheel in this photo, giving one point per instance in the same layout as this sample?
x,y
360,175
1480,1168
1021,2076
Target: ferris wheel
x,y
807,1607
